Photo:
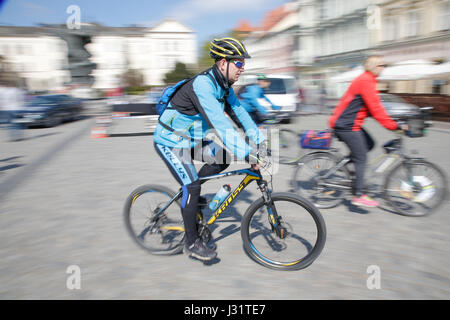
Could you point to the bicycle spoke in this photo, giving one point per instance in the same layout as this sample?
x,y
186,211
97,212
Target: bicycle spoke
x,y
415,189
161,233
301,235
324,193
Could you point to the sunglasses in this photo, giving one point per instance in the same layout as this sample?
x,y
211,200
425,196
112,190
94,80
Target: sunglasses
x,y
238,64
382,65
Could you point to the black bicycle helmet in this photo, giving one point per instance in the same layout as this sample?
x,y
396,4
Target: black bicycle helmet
x,y
228,48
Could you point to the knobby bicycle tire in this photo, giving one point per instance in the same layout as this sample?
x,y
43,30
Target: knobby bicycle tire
x,y
173,248
404,199
299,263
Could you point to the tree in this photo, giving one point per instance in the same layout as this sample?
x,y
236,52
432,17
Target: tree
x,y
179,73
205,60
133,78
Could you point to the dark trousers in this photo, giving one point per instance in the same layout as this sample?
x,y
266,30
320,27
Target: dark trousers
x,y
359,143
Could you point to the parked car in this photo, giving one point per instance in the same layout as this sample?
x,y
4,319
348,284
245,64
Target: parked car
x,y
49,110
397,108
418,118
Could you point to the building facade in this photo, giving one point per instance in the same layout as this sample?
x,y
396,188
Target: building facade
x,y
414,30
273,45
36,56
331,37
40,58
151,51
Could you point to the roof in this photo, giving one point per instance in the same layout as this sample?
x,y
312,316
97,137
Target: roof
x,y
273,17
244,26
270,19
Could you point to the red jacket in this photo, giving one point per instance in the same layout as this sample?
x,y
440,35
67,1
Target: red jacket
x,y
359,102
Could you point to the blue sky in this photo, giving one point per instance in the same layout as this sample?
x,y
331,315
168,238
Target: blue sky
x,y
206,17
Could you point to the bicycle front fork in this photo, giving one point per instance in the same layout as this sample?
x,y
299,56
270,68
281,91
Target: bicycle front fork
x,y
276,222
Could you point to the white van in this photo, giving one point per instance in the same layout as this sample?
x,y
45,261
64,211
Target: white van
x,y
283,92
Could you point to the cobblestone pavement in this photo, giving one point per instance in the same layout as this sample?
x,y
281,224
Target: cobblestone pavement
x,y
61,200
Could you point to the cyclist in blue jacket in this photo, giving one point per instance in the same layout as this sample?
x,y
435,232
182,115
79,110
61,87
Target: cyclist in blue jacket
x,y
249,99
198,107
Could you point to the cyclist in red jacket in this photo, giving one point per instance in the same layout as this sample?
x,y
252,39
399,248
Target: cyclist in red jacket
x,y
359,102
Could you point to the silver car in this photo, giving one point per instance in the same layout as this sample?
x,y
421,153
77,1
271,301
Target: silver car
x,y
396,107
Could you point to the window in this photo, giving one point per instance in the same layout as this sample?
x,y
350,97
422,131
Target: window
x,y
281,86
444,16
438,85
322,11
390,29
413,26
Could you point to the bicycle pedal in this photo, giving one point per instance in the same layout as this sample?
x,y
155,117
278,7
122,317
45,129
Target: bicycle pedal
x,y
281,232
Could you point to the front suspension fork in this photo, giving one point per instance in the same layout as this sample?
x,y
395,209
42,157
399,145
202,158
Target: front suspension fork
x,y
276,222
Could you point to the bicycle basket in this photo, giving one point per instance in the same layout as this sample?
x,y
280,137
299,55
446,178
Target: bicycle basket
x,y
315,139
417,125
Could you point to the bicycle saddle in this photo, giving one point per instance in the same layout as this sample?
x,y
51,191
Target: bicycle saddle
x,y
391,145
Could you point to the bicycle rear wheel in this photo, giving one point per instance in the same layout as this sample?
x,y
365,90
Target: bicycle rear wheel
x,y
308,182
301,241
158,233
415,188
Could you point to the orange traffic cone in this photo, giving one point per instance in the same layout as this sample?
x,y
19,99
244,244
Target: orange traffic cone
x,y
98,132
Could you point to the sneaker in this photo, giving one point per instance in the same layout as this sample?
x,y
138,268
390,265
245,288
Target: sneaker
x,y
200,251
365,201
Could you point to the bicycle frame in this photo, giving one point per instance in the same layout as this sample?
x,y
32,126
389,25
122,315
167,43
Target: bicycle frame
x,y
385,161
250,175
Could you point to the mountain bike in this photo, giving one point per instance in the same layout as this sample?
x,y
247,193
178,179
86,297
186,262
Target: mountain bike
x,y
281,231
412,186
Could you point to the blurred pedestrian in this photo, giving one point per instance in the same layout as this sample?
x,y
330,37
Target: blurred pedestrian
x,y
12,99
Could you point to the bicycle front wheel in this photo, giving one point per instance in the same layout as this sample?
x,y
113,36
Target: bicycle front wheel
x,y
415,188
301,240
155,231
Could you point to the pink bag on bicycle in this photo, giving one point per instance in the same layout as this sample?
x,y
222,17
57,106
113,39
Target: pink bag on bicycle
x,y
315,139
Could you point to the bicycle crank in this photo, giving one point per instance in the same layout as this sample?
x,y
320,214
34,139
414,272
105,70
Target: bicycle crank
x,y
204,232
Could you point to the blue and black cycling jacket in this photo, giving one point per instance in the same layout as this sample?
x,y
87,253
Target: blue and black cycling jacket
x,y
199,106
249,100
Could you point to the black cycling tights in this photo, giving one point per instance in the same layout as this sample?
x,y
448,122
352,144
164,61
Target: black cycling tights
x,y
181,165
191,193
